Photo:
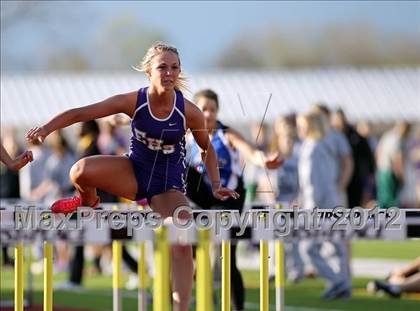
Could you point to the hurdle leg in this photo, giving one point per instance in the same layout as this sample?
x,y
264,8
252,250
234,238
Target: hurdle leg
x,y
279,281
141,272
162,272
19,277
116,272
279,273
264,276
204,289
48,276
226,275
116,275
28,272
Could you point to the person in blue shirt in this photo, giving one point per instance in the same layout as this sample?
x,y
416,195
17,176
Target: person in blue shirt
x,y
229,145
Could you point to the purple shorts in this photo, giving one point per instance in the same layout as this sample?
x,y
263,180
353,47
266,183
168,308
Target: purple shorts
x,y
154,182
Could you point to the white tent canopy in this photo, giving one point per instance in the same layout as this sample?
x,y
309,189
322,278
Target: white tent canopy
x,y
379,95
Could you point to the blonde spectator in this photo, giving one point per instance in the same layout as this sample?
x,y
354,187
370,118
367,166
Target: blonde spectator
x,y
317,183
339,149
286,142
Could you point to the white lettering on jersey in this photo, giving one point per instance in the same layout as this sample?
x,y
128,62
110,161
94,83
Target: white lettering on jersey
x,y
153,143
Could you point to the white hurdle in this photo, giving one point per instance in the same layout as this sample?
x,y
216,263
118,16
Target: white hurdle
x,y
99,230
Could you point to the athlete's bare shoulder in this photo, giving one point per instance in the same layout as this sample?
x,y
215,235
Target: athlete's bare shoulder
x,y
193,115
191,110
129,100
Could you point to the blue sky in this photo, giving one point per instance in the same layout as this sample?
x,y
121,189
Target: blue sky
x,y
201,30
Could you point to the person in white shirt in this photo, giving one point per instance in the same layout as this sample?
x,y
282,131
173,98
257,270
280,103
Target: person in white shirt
x,y
285,142
339,149
317,185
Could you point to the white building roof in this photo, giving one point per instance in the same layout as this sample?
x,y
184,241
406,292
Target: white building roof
x,y
371,94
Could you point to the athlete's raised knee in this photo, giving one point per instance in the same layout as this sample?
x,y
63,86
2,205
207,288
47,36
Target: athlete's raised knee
x,y
79,171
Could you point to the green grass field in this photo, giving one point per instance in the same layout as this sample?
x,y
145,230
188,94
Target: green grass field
x,y
406,250
97,293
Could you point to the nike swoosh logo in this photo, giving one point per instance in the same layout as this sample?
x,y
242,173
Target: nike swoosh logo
x,y
172,124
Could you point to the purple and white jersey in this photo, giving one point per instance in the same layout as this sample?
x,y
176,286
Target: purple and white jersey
x,y
158,145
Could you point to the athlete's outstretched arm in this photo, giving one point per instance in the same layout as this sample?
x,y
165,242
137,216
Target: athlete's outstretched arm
x,y
252,153
17,163
195,122
123,103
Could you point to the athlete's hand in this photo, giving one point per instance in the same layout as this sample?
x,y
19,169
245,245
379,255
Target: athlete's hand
x,y
21,160
225,193
274,162
36,135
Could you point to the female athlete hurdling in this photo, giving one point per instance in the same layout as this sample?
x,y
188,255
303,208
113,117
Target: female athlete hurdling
x,y
155,167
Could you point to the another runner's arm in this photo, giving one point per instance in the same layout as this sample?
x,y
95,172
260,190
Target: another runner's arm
x,y
16,163
250,152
